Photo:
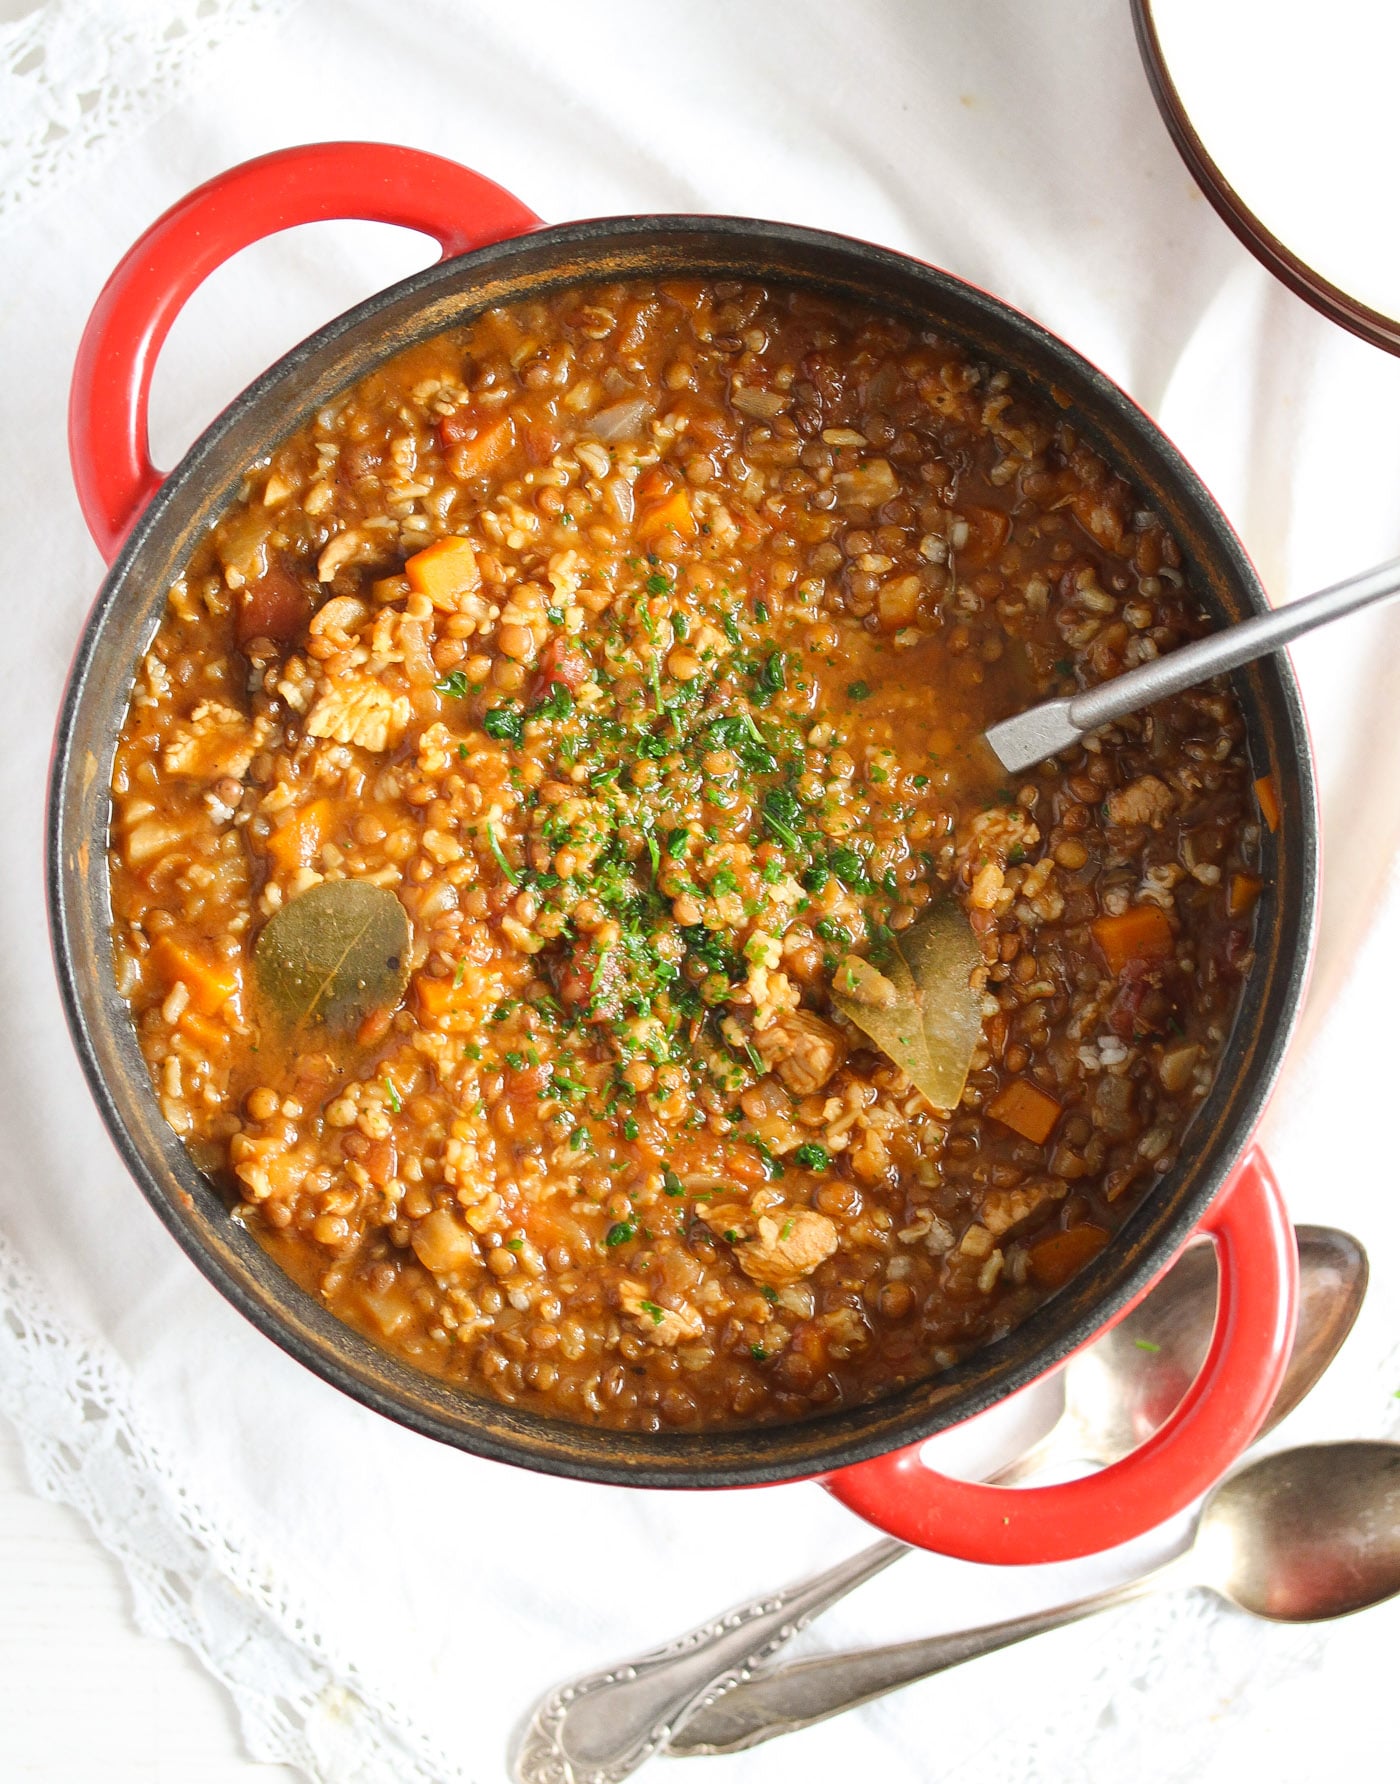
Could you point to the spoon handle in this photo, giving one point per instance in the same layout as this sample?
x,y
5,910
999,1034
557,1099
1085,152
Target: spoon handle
x,y
1055,724
597,1729
808,1691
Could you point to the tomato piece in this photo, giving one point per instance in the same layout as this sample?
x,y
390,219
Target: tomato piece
x,y
559,663
277,606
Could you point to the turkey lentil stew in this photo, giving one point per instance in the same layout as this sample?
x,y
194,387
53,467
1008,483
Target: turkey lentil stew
x,y
638,642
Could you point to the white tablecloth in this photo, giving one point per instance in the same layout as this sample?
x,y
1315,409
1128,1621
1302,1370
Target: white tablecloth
x,y
382,1608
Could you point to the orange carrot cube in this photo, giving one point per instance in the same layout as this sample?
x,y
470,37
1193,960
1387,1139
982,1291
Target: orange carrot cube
x,y
1142,933
1026,1109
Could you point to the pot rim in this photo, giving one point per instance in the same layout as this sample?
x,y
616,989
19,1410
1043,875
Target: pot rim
x,y
268,1297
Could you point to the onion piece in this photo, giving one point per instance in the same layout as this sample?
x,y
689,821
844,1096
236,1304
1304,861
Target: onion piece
x,y
621,421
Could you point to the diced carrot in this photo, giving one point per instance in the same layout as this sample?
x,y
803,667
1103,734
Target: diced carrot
x,y
475,457
1267,794
1244,893
210,1034
443,570
440,997
674,515
210,983
1054,1260
298,842
987,531
1142,933
1026,1109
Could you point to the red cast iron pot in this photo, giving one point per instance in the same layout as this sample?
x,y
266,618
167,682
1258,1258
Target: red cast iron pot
x,y
494,250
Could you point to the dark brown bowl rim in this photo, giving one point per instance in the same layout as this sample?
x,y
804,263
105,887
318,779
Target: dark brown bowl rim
x,y
247,1277
1301,279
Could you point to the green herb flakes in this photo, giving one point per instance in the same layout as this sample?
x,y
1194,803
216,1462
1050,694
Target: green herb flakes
x,y
505,723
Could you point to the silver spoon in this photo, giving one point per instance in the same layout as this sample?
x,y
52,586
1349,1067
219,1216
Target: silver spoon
x,y
598,1728
1054,725
1296,1537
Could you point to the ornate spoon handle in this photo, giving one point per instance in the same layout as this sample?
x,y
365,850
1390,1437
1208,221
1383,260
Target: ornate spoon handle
x,y
809,1691
598,1729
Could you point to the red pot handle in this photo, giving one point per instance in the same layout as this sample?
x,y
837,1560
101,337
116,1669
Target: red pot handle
x,y
376,182
1221,1412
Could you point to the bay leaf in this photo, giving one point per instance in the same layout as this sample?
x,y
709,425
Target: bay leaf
x,y
919,1006
333,955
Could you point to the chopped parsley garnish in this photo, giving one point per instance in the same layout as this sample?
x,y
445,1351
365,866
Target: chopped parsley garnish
x,y
657,584
858,690
657,1313
772,1167
812,1157
558,703
758,1353
848,867
505,723
771,676
501,861
671,1183
391,1092
455,686
781,811
620,1232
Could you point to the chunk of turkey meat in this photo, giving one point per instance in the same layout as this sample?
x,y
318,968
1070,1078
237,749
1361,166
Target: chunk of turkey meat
x,y
361,711
661,1325
1146,801
777,1247
802,1049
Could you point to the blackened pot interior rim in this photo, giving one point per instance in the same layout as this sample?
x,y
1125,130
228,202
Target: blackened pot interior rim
x,y
207,481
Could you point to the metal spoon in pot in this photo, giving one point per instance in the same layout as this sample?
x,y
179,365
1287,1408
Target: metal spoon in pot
x,y
1296,1537
600,1727
1054,725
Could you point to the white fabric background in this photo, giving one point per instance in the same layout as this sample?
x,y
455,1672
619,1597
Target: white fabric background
x,y
374,1599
